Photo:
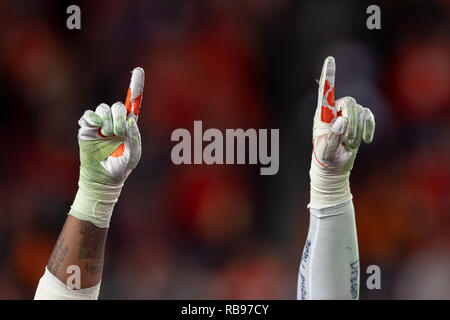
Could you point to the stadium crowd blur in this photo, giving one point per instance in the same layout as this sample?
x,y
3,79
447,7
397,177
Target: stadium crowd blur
x,y
224,231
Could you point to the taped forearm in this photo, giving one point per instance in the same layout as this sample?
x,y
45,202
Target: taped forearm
x,y
329,268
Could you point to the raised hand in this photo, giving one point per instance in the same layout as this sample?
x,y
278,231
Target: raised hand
x,y
339,126
110,148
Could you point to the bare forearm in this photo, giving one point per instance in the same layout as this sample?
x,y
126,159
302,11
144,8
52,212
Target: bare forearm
x,y
110,148
80,244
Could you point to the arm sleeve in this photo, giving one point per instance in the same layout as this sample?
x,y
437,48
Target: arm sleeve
x,y
329,267
51,288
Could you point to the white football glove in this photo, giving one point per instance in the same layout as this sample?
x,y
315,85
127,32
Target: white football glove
x,y
337,133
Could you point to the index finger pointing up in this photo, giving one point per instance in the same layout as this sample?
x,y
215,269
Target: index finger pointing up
x,y
135,91
325,100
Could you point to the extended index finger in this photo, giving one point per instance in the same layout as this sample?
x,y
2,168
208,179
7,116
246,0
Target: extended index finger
x,y
135,91
325,101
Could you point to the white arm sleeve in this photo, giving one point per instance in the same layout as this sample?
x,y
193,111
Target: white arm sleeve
x,y
329,268
51,288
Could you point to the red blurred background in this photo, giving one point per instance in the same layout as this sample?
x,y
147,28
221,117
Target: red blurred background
x,y
225,231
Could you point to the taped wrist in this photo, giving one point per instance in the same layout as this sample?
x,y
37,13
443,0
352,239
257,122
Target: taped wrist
x,y
95,202
327,188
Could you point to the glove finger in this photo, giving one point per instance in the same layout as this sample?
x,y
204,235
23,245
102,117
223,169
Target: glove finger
x,y
134,138
119,115
135,92
118,159
104,112
348,107
92,119
359,116
89,124
326,111
334,138
368,126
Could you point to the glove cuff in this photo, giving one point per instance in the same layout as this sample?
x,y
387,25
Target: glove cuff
x,y
95,202
328,189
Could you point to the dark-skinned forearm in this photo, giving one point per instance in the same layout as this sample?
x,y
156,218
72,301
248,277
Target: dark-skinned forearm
x,y
82,244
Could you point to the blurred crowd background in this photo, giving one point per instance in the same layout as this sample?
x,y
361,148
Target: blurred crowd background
x,y
213,232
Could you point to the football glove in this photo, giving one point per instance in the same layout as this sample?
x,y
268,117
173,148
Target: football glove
x,y
110,148
339,126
